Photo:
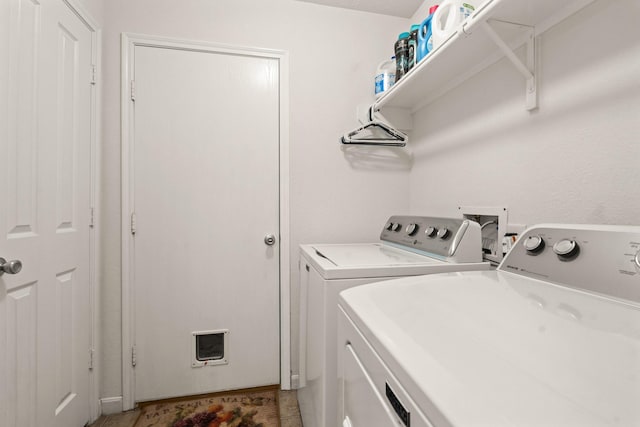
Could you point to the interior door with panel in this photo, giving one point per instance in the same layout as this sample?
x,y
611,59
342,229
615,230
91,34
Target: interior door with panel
x,y
44,214
204,230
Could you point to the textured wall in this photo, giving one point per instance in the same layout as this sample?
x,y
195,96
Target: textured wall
x,y
575,159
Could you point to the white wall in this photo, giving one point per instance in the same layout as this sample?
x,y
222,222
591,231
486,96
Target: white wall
x,y
575,159
95,8
333,55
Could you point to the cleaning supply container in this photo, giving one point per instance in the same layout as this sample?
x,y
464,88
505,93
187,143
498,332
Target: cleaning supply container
x,y
402,55
425,39
413,45
385,76
447,19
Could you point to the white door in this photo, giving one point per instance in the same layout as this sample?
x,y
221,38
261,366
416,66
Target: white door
x,y
44,216
205,189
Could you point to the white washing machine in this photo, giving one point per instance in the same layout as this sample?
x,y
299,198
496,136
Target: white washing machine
x,y
550,338
410,245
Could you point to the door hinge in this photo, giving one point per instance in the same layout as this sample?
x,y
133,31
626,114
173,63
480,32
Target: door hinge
x,y
133,356
91,353
91,217
93,75
133,223
133,90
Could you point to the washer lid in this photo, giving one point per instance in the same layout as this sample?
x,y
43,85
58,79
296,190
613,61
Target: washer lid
x,y
496,349
375,261
369,255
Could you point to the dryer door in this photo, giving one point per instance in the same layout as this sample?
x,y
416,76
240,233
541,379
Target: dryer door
x,y
363,405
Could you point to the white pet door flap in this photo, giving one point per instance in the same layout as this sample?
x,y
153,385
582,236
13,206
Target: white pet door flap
x,y
210,348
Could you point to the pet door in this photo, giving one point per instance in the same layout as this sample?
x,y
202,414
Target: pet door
x,y
210,348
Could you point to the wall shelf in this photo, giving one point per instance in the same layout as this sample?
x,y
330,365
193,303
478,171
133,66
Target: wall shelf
x,y
494,31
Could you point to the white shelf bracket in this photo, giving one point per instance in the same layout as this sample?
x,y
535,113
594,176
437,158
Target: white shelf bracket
x,y
528,69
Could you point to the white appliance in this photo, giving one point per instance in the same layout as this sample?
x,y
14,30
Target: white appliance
x,y
410,245
550,338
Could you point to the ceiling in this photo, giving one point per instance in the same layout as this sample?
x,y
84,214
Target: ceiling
x,y
402,8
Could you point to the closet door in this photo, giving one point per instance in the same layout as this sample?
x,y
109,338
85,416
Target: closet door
x,y
44,215
206,195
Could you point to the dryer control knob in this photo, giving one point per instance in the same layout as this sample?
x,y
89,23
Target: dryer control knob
x,y
637,259
389,226
566,248
534,244
412,229
396,227
443,233
431,231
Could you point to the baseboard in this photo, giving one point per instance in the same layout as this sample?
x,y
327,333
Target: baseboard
x,y
295,382
111,405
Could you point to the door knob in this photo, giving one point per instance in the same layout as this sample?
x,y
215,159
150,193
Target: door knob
x,y
270,239
10,267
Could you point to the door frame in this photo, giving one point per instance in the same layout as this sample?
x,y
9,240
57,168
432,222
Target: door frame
x,y
94,232
129,42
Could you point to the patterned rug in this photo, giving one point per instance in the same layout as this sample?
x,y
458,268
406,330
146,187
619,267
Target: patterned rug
x,y
252,408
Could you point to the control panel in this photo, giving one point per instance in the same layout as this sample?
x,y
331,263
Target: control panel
x,y
446,237
603,259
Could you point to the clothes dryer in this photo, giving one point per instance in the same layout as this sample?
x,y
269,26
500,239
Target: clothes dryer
x,y
409,246
550,338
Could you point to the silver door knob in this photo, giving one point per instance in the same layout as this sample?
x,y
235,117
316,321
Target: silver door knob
x,y
270,239
10,267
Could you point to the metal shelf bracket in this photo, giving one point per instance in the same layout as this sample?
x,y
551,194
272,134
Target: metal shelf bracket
x,y
527,70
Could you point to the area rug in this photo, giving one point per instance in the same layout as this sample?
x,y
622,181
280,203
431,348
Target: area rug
x,y
253,408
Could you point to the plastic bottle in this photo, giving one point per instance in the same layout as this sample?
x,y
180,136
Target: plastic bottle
x,y
447,19
385,76
402,55
425,39
413,46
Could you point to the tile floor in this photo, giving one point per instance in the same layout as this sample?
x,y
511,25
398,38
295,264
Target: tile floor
x,y
289,414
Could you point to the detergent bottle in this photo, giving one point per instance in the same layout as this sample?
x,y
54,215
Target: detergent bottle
x,y
401,48
447,19
385,76
413,46
425,44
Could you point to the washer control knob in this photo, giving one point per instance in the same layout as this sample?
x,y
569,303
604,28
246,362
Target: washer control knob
x,y
431,231
637,259
443,233
396,227
566,248
389,226
412,229
534,244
